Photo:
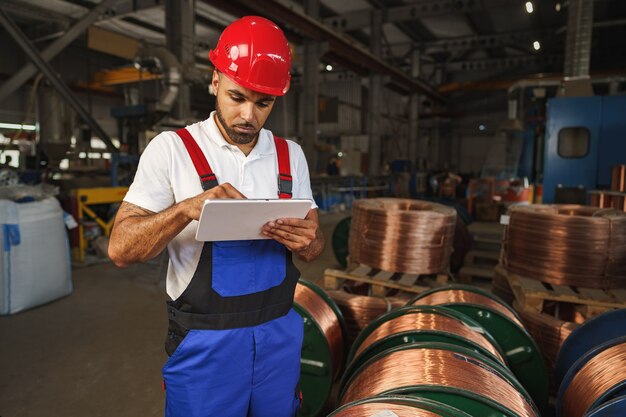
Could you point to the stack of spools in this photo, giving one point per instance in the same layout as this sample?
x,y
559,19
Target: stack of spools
x,y
562,245
324,346
455,346
396,235
591,368
616,197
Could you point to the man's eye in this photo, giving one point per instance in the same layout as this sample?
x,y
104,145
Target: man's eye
x,y
237,99
262,105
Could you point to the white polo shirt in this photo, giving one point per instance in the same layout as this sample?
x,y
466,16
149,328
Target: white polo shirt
x,y
166,175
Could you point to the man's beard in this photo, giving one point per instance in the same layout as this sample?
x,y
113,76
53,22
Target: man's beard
x,y
237,137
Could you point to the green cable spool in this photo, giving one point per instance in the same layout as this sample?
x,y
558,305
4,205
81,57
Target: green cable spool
x,y
317,370
424,404
470,402
418,335
340,240
521,352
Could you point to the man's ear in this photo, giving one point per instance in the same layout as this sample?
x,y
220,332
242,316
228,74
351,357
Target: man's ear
x,y
215,80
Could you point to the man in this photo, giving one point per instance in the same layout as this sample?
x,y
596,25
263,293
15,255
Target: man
x,y
233,339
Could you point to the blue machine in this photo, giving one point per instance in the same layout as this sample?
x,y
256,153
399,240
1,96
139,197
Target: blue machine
x,y
585,137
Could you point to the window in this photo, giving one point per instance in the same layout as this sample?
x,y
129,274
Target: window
x,y
573,142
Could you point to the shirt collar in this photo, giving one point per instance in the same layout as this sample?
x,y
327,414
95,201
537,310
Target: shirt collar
x,y
264,145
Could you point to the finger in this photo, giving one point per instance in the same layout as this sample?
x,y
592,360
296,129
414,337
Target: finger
x,y
283,236
231,191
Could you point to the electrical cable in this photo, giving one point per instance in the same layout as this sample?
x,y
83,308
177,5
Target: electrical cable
x,y
402,235
600,374
378,409
436,367
421,320
567,245
360,310
453,295
327,321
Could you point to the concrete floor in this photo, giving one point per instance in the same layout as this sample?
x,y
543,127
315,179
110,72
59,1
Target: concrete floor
x,y
99,351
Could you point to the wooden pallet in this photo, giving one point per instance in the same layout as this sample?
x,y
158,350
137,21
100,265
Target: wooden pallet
x,y
381,282
531,294
478,266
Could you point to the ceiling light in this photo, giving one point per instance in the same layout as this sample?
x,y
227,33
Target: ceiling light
x,y
482,128
17,126
329,67
557,7
529,7
536,45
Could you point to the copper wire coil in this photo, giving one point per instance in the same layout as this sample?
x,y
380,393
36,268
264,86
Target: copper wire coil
x,y
549,333
438,367
608,199
360,310
326,319
618,178
567,245
420,320
402,235
601,373
371,409
453,295
500,287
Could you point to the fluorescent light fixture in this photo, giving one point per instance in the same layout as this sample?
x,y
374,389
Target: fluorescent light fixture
x,y
529,7
329,67
16,126
536,45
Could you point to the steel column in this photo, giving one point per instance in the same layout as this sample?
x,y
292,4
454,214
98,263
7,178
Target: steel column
x,y
414,110
54,79
17,80
312,55
180,40
375,97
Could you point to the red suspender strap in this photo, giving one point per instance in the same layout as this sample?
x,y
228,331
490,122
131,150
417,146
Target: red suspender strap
x,y
208,179
284,168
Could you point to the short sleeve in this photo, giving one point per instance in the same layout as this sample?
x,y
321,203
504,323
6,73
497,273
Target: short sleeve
x,y
301,169
152,188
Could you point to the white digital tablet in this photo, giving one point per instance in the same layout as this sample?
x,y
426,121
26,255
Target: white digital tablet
x,y
243,219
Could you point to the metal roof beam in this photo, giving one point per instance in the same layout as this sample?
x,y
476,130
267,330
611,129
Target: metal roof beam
x,y
338,43
502,63
361,18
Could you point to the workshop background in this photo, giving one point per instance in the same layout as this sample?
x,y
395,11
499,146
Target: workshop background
x,y
468,158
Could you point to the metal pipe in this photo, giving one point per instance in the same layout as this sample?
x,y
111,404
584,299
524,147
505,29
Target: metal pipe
x,y
19,78
54,79
578,41
168,64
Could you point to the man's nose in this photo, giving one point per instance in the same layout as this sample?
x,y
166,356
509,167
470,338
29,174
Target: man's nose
x,y
247,112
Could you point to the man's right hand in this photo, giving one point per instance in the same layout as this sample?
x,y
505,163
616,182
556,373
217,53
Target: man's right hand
x,y
223,191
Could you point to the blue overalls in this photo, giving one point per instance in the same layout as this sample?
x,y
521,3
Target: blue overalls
x,y
234,340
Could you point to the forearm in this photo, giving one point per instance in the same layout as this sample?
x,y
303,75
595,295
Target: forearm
x,y
140,235
314,249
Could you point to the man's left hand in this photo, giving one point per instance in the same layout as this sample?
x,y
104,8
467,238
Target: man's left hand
x,y
301,236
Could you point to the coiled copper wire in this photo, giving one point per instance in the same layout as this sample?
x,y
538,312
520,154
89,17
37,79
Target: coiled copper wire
x,y
567,245
421,320
618,178
432,366
453,295
500,286
601,373
360,310
549,333
326,319
402,235
372,409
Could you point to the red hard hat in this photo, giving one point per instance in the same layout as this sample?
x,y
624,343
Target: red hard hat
x,y
254,53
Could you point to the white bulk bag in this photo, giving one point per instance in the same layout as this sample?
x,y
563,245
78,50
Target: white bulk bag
x,y
38,269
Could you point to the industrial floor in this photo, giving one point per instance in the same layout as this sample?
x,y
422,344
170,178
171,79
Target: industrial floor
x,y
99,351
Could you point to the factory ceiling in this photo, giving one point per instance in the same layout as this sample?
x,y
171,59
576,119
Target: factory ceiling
x,y
454,40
